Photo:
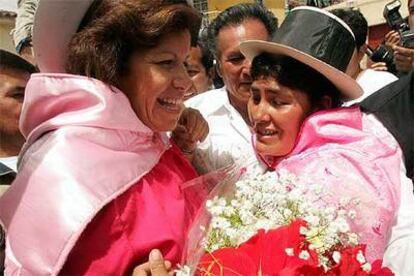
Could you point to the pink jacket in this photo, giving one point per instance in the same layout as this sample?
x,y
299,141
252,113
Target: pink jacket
x,y
353,157
85,147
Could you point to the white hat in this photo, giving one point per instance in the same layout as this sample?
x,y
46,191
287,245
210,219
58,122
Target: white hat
x,y
55,22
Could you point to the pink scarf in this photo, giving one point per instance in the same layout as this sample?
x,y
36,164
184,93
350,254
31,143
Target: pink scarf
x,y
352,156
98,150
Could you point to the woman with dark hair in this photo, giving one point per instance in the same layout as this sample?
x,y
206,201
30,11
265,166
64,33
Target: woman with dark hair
x,y
298,84
99,182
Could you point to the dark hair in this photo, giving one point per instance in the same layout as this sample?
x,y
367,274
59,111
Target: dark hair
x,y
357,22
207,58
11,61
113,30
236,15
295,75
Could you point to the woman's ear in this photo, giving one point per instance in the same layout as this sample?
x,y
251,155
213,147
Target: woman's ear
x,y
218,69
324,103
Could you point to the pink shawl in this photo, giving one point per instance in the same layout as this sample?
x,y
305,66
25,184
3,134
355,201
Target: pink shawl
x,y
98,150
353,157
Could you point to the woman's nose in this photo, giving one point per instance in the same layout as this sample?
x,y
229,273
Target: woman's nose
x,y
182,80
259,114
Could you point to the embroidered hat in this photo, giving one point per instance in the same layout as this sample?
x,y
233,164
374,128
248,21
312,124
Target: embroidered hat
x,y
316,38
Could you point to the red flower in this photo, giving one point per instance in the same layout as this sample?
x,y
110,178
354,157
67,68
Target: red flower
x,y
265,254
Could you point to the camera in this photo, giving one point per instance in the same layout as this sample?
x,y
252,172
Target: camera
x,y
394,19
393,16
381,54
398,23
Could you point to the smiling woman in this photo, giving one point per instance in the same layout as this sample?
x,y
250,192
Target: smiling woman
x,y
99,183
157,81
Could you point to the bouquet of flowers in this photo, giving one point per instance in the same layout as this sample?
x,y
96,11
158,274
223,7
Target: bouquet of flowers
x,y
276,224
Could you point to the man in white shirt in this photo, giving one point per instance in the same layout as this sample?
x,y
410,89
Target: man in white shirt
x,y
225,109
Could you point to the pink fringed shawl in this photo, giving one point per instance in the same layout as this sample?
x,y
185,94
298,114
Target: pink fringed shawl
x,y
85,146
353,157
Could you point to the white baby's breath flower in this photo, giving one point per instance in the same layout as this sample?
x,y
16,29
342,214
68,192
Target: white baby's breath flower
x,y
352,214
182,270
342,212
360,257
312,220
341,225
366,267
267,201
287,213
336,256
303,230
304,255
289,251
353,239
344,201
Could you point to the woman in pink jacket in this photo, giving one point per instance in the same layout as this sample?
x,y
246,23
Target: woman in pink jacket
x,y
299,82
99,182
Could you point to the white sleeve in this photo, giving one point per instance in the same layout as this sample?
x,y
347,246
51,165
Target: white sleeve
x,y
400,249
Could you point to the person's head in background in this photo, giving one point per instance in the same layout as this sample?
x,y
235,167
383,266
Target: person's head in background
x,y
14,75
231,27
200,68
139,47
359,26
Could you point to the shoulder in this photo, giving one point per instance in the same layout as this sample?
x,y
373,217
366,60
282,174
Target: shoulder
x,y
209,101
371,80
381,75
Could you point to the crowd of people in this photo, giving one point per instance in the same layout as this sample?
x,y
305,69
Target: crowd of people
x,y
111,107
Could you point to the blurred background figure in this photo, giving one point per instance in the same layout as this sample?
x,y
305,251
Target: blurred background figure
x,y
400,41
200,67
14,74
23,31
370,80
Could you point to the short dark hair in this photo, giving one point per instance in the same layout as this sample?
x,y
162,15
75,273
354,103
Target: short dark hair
x,y
11,61
295,75
112,31
357,22
207,59
236,15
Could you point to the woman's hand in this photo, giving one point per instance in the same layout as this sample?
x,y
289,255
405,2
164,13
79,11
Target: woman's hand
x,y
156,266
191,129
